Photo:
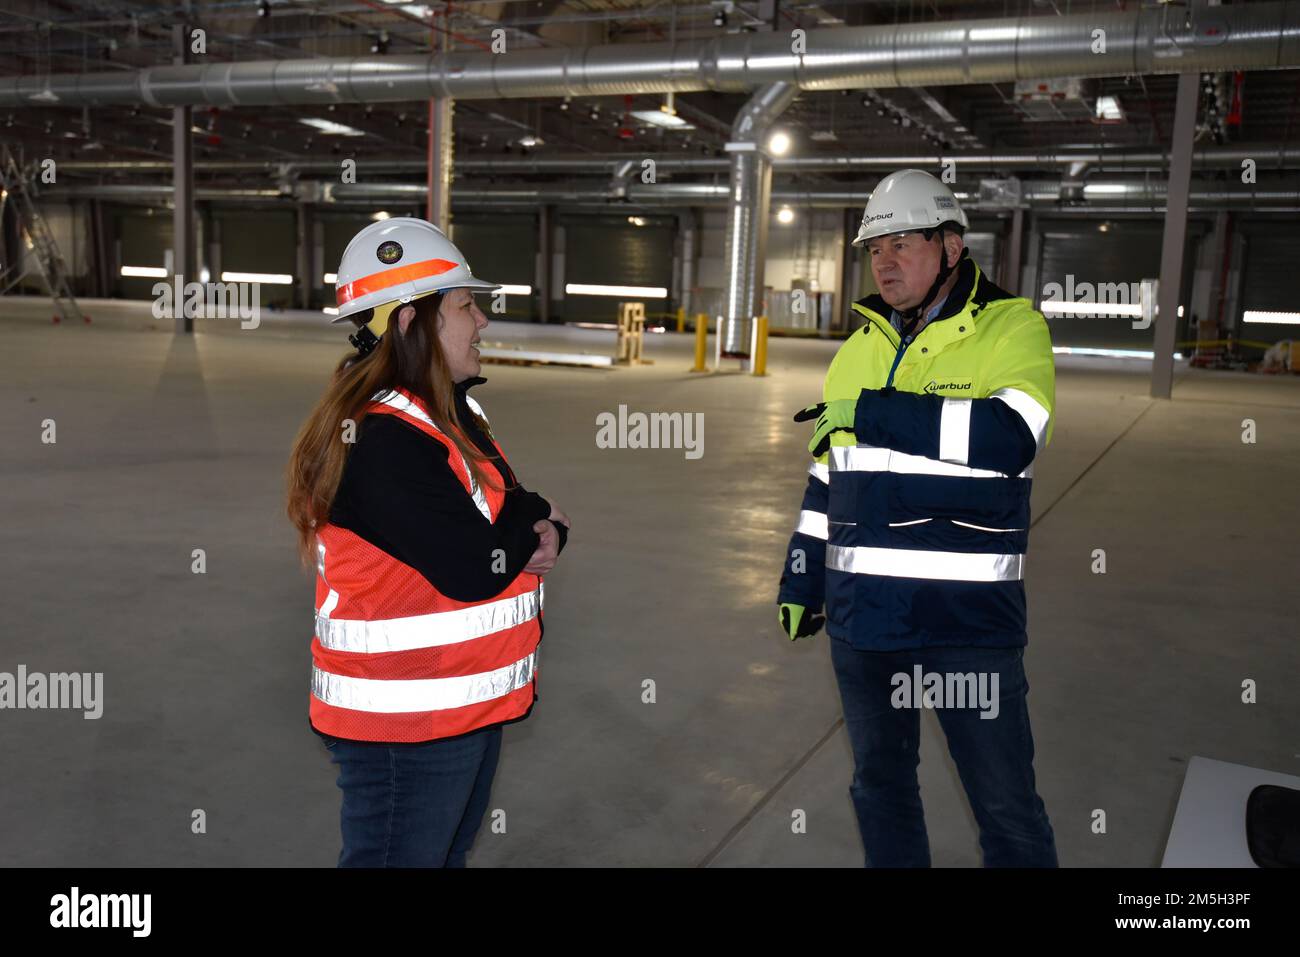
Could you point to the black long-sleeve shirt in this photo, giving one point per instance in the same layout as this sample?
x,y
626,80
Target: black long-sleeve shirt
x,y
399,493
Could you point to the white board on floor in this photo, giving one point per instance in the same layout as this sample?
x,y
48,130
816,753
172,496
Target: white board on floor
x,y
1209,828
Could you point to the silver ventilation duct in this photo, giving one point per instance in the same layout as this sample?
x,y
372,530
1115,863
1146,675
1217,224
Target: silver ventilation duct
x,y
1160,39
1100,197
749,200
1265,156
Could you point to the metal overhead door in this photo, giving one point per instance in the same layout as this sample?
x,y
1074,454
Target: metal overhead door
x,y
607,252
1106,266
1269,280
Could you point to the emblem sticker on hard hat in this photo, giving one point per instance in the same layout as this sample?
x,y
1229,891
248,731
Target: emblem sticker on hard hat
x,y
389,252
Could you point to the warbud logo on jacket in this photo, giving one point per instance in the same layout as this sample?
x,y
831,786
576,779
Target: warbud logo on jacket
x,y
958,386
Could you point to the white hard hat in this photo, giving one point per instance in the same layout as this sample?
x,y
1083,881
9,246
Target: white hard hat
x,y
396,261
908,200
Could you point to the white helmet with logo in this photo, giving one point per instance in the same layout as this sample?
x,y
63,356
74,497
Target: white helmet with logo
x,y
908,200
396,261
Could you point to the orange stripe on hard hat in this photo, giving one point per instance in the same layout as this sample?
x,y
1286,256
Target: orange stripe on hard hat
x,y
393,277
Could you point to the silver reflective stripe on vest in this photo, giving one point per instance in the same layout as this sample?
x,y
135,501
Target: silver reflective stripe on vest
x,y
820,472
420,694
427,631
812,523
395,400
1030,409
871,458
911,563
332,599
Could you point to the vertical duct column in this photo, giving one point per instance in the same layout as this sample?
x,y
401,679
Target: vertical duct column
x,y
183,186
748,212
1171,252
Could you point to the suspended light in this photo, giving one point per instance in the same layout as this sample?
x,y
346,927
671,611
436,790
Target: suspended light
x,y
779,143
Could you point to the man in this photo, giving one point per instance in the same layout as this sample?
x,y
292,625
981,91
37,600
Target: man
x,y
914,528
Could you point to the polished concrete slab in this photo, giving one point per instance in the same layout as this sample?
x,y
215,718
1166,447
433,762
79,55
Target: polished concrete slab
x,y
166,445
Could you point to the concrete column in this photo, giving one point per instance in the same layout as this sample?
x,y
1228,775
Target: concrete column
x,y
849,275
214,250
1208,280
306,268
689,225
101,266
1171,251
545,214
318,260
203,244
1009,274
1230,317
557,271
439,167
183,185
1031,283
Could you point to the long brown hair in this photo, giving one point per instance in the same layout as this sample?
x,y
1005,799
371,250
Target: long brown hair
x,y
412,361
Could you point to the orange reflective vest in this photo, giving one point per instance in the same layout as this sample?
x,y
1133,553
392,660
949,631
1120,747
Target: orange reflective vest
x,y
393,659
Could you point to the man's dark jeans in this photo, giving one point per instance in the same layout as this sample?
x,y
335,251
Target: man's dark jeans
x,y
994,756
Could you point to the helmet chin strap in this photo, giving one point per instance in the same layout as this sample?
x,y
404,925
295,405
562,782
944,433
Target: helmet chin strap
x,y
913,316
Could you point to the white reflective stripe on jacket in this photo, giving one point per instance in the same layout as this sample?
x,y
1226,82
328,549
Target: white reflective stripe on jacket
x,y
917,563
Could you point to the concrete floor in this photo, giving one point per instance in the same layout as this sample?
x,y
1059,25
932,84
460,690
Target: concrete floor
x,y
168,444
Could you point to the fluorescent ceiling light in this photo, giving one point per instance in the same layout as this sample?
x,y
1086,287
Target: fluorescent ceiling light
x,y
330,278
1059,308
636,220
1111,353
330,128
510,290
423,11
144,272
380,216
267,278
1108,108
1275,318
590,289
530,140
330,311
662,118
1105,189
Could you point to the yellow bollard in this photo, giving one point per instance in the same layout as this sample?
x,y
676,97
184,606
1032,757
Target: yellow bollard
x,y
760,347
701,341
681,319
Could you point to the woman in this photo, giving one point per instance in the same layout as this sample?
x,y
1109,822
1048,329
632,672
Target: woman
x,y
428,552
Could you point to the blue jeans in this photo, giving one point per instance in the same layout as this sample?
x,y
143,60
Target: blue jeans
x,y
994,755
413,805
